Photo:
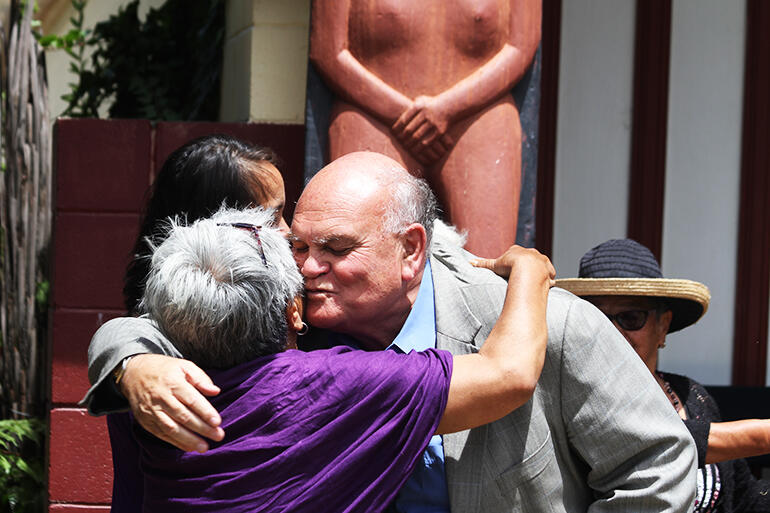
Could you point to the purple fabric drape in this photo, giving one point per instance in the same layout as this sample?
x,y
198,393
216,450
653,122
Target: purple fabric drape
x,y
332,430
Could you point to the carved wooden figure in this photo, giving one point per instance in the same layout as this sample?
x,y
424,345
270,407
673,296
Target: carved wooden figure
x,y
429,83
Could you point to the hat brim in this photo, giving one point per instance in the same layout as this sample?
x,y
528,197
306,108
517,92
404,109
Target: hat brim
x,y
688,299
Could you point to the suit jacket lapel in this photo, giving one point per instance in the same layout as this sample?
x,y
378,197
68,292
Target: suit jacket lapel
x,y
456,325
456,329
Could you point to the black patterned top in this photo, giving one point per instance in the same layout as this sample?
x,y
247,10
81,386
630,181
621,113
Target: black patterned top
x,y
725,487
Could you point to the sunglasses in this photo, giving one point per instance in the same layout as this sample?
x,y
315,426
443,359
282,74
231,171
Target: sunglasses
x,y
254,231
630,320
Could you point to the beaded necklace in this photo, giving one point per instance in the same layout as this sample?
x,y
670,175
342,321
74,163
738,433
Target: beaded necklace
x,y
709,480
672,397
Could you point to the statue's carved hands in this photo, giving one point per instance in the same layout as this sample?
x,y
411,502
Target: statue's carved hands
x,y
422,130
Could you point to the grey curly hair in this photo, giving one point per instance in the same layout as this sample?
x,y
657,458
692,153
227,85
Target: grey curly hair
x,y
212,294
413,201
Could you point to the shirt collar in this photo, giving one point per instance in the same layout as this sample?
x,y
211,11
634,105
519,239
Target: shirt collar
x,y
419,331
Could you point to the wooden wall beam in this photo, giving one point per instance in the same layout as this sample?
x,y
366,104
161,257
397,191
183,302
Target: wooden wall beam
x,y
753,262
650,120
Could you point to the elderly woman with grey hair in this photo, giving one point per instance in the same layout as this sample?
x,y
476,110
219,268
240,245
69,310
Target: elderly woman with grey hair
x,y
333,430
219,304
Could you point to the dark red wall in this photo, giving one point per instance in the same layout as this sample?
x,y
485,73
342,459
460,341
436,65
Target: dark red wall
x,y
102,170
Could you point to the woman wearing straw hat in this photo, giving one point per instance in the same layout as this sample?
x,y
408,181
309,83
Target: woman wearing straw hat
x,y
623,279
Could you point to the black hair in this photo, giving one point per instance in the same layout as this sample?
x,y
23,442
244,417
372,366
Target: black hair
x,y
194,182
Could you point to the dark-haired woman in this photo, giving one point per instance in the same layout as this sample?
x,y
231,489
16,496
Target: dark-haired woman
x,y
194,182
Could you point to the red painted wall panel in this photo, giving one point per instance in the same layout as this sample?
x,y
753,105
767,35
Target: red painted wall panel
x,y
102,165
80,466
92,251
72,331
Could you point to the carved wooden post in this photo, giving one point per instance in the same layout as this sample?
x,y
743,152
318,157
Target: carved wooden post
x,y
25,225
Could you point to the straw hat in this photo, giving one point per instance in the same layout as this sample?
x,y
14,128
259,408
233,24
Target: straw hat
x,y
623,267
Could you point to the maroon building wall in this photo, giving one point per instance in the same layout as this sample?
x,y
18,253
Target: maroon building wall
x,y
102,171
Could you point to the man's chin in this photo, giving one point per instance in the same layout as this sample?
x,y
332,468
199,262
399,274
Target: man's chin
x,y
319,318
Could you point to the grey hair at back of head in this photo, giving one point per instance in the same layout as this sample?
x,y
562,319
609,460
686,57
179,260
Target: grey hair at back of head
x,y
413,201
211,293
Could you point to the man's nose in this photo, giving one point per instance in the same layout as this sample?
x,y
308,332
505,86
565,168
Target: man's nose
x,y
313,266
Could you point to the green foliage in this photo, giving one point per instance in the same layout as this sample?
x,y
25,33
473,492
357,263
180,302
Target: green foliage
x,y
22,477
167,67
74,44
41,294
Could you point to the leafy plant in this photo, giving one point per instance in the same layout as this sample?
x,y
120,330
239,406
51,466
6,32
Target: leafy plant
x,y
74,43
22,477
167,67
42,292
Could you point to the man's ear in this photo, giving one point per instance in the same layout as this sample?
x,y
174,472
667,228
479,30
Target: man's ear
x,y
414,241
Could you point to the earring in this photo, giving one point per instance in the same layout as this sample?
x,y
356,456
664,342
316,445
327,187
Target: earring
x,y
662,345
305,328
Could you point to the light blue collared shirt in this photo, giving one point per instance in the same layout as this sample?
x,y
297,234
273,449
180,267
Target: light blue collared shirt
x,y
426,490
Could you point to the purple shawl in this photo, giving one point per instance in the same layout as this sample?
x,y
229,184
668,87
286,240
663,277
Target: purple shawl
x,y
332,430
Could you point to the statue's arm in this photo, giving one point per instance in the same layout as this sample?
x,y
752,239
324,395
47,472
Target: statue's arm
x,y
499,74
349,78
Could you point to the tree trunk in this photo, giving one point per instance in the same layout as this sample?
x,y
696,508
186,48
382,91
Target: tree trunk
x,y
25,223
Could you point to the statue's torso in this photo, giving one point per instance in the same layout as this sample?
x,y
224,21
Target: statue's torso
x,y
426,47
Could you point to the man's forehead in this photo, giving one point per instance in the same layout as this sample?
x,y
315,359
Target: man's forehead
x,y
325,225
348,216
347,180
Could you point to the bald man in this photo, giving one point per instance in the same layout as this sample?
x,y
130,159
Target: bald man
x,y
598,435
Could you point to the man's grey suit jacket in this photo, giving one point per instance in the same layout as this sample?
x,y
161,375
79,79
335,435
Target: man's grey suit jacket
x,y
599,433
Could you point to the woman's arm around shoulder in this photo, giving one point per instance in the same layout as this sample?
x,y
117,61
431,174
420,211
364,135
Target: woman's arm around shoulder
x,y
503,375
164,392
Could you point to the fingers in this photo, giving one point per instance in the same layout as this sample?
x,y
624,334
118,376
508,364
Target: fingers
x,y
546,262
404,119
202,382
165,396
426,134
426,153
192,413
496,265
484,263
537,262
433,152
165,428
411,128
168,417
516,257
418,126
551,271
